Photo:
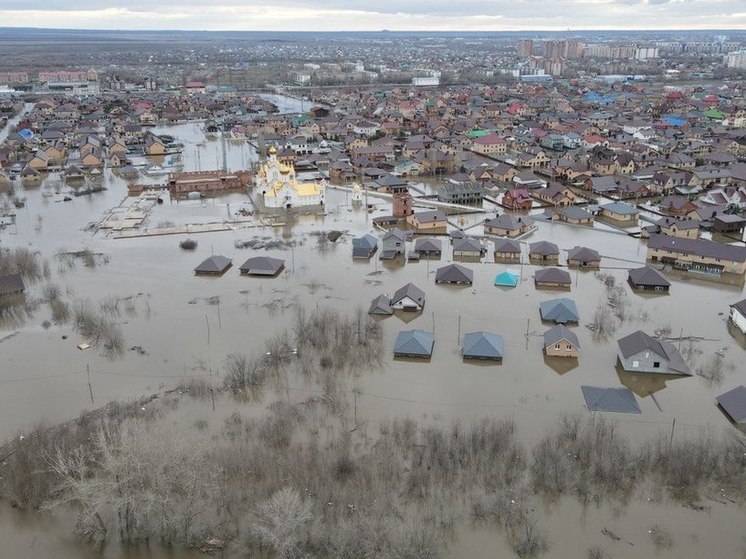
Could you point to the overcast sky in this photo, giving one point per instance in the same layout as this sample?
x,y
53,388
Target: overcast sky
x,y
360,15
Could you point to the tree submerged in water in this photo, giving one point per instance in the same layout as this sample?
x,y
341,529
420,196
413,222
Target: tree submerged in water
x,y
188,244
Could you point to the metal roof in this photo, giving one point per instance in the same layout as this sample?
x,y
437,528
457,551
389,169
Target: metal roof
x,y
12,283
482,345
544,248
618,400
414,342
454,273
698,247
647,276
381,305
558,334
552,275
733,403
214,265
262,266
639,341
559,310
410,290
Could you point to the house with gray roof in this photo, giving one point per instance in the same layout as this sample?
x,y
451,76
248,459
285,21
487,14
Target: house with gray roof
x,y
455,274
583,257
262,266
543,252
468,247
560,341
620,212
365,246
507,250
213,266
648,279
393,243
408,298
381,305
561,311
733,403
428,247
414,343
482,345
552,278
615,400
507,225
572,214
641,353
697,255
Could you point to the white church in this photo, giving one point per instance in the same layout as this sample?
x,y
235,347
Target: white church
x,y
280,189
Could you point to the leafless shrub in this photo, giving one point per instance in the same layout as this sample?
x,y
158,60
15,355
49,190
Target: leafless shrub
x,y
712,370
97,328
661,537
282,523
596,552
603,323
22,261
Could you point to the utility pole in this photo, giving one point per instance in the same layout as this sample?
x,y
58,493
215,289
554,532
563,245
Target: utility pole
x,y
458,336
90,388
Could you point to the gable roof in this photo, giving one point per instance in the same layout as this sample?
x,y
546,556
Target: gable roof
x,y
410,290
381,305
639,341
482,345
617,400
699,247
560,333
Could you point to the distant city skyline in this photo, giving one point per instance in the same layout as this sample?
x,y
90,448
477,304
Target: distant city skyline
x,y
372,15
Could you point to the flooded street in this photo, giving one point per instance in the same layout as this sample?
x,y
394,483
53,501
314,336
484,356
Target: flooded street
x,y
184,326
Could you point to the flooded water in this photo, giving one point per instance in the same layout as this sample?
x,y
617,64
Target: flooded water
x,y
180,332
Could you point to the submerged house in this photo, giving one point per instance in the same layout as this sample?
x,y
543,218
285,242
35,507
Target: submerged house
x,y
482,345
543,252
454,273
648,279
508,278
428,247
262,266
393,243
213,266
641,353
560,311
408,298
738,315
507,250
381,305
509,226
365,246
583,257
468,247
414,343
697,255
11,284
733,403
552,278
560,341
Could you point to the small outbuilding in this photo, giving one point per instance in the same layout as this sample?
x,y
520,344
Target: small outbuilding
x,y
454,273
552,278
560,341
648,279
262,266
560,311
733,403
414,343
381,305
482,345
615,400
213,266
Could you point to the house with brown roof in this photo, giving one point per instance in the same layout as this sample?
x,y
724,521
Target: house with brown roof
x,y
517,199
556,194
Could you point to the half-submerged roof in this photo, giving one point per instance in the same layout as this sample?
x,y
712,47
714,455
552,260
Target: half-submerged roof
x,y
454,273
648,276
215,264
416,343
561,310
733,403
482,345
381,305
617,400
262,266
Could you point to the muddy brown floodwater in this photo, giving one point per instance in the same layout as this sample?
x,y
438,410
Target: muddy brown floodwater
x,y
171,317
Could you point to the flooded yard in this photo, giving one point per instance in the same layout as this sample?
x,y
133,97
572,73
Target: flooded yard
x,y
177,326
